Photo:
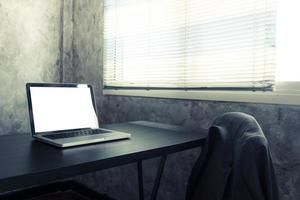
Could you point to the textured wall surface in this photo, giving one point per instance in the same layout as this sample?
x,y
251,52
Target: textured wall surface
x,y
29,51
30,39
84,46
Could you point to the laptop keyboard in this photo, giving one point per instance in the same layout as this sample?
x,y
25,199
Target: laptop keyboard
x,y
76,133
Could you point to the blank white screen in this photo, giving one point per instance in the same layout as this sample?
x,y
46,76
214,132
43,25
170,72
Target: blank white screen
x,y
61,108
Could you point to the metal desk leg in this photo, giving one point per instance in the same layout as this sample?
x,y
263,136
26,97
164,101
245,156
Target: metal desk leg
x,y
158,176
140,177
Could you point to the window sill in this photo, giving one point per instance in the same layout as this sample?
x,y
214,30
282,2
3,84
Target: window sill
x,y
276,97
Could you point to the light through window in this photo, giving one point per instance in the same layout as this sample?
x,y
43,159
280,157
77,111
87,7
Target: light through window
x,y
189,44
288,41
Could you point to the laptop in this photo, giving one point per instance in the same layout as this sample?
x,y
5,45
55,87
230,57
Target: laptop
x,y
65,115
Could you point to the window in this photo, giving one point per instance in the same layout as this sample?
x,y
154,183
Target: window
x,y
244,51
288,41
189,44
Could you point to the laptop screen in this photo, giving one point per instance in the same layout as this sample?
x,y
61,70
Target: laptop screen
x,y
62,108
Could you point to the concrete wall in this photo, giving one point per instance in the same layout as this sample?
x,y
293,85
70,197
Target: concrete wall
x,y
82,36
29,51
32,47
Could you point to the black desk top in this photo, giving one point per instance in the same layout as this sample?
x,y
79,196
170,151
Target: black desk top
x,y
25,162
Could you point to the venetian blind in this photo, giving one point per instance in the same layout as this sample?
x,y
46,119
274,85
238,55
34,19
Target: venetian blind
x,y
189,43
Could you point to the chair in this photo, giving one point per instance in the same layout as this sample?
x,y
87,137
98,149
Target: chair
x,y
235,163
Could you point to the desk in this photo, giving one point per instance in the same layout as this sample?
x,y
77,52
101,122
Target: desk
x,y
25,162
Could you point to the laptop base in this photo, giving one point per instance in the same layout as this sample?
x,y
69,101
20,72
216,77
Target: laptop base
x,y
83,140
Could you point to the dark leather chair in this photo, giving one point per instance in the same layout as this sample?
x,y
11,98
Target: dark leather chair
x,y
235,163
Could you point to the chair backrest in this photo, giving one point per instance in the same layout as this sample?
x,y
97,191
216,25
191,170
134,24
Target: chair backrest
x,y
235,162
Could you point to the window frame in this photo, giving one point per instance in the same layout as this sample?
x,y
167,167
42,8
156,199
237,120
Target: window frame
x,y
286,93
